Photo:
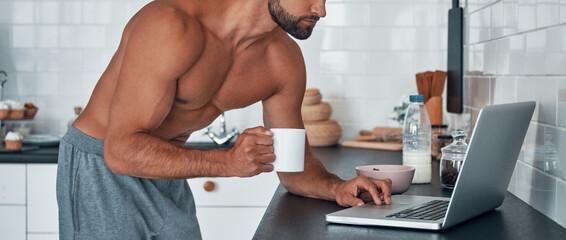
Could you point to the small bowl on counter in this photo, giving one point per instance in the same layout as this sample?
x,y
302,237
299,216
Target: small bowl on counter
x,y
401,176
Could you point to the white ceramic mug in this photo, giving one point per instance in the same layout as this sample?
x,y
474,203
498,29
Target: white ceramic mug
x,y
289,149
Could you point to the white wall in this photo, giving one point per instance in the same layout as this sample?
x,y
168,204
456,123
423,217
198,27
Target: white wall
x,y
55,51
516,51
362,56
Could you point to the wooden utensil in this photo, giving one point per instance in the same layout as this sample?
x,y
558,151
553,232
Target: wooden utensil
x,y
379,131
380,134
420,83
374,145
391,137
365,132
438,83
434,109
428,84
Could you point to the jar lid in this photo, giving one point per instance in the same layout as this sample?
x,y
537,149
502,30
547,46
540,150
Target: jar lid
x,y
459,145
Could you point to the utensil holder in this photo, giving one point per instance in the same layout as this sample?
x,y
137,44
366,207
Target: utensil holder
x,y
434,108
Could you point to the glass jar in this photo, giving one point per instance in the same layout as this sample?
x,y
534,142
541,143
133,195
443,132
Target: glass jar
x,y
436,145
443,141
452,159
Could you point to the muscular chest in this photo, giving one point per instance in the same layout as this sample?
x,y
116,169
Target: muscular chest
x,y
223,80
218,82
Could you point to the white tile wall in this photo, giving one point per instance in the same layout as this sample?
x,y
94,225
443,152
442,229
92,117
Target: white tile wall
x,y
362,55
561,104
526,15
497,20
547,12
343,62
509,17
23,36
399,14
59,12
525,61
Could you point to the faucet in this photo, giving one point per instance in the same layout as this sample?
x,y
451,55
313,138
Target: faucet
x,y
3,80
222,137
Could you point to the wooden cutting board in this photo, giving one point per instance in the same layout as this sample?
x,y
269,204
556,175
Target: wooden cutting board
x,y
374,145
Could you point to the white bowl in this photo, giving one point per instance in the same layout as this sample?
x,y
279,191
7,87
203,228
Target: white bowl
x,y
401,176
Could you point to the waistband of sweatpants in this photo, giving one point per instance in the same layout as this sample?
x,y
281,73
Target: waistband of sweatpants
x,y
84,142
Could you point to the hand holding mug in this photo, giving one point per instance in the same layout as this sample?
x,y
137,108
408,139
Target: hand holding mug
x,y
252,153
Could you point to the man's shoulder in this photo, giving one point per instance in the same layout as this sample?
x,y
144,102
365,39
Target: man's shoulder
x,y
281,44
284,53
166,18
285,62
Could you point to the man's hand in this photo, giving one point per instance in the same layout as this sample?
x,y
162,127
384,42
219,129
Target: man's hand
x,y
252,150
362,189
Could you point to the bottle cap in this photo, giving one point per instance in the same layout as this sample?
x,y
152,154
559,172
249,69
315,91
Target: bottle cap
x,y
416,98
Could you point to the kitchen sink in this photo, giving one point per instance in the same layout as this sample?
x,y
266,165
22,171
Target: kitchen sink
x,y
208,145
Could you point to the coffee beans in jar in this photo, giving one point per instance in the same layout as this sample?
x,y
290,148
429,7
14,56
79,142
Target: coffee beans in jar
x,y
449,173
452,159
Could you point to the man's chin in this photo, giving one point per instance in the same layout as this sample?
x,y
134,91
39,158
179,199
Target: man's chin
x,y
302,34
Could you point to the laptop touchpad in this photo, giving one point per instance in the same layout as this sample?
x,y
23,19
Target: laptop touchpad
x,y
392,206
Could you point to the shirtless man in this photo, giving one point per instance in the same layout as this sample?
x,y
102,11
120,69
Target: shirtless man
x,y
180,64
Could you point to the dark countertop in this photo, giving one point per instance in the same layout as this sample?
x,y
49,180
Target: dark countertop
x,y
290,216
49,154
37,155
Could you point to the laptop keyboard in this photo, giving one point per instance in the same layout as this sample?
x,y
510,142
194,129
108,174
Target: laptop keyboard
x,y
432,210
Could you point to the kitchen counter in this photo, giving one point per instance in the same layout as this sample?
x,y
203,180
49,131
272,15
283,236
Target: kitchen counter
x,y
290,216
49,154
40,155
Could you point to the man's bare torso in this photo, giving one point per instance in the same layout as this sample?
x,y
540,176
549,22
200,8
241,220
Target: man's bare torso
x,y
222,78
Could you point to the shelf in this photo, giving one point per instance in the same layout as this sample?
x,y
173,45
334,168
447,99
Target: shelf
x,y
16,120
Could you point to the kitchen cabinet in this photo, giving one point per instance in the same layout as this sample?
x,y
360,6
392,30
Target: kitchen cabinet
x,y
229,222
234,207
42,211
12,184
28,203
12,222
12,201
43,236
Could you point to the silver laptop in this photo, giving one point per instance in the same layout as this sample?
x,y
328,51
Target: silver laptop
x,y
489,162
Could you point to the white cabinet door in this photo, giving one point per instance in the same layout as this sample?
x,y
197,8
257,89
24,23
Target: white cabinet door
x,y
13,222
12,184
229,223
252,192
43,236
42,199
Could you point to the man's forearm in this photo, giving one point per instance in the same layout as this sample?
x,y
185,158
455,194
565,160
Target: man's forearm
x,y
314,182
143,155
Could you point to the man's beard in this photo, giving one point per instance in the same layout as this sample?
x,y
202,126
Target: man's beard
x,y
290,23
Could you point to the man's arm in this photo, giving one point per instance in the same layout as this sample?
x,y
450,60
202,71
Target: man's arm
x,y
161,47
283,110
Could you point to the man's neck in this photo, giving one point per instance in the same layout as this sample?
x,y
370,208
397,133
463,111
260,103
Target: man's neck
x,y
239,22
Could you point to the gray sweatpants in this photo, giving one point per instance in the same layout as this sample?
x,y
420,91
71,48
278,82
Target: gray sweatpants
x,y
95,203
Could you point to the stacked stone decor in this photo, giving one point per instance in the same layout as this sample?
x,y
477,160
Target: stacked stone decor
x,y
320,129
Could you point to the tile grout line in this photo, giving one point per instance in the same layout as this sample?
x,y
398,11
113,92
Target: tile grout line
x,y
483,7
517,34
